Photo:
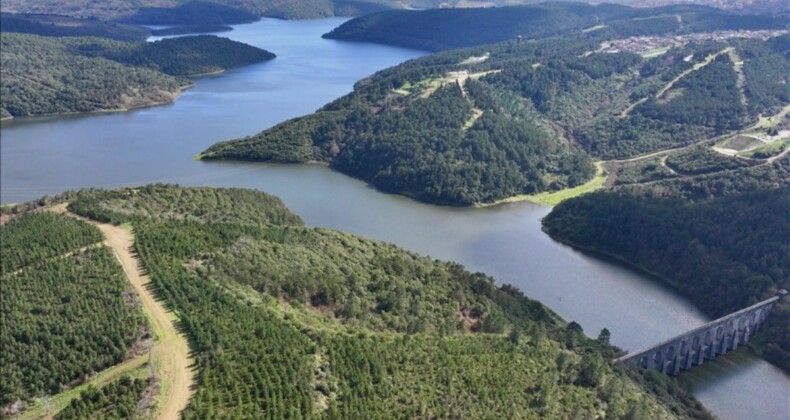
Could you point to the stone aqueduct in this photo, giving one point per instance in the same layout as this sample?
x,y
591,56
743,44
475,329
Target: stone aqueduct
x,y
703,343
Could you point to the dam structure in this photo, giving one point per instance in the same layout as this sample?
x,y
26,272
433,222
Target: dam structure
x,y
703,343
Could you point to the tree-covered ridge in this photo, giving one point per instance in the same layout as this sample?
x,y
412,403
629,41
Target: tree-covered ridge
x,y
53,25
436,146
166,12
367,283
273,339
769,175
43,76
679,101
171,202
62,75
182,56
483,124
701,159
725,253
444,29
189,13
50,335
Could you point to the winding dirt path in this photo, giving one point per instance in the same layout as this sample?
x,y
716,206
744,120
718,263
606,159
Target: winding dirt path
x,y
777,157
170,354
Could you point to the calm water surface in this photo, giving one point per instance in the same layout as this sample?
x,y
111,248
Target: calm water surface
x,y
49,155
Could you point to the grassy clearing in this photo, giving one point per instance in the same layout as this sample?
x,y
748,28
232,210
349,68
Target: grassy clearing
x,y
770,149
404,90
47,407
654,53
741,143
427,87
475,60
409,88
594,28
476,114
553,198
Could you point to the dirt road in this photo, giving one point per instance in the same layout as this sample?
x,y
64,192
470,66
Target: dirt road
x,y
170,354
709,59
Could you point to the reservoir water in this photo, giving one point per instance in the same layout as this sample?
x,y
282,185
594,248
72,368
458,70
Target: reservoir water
x,y
49,155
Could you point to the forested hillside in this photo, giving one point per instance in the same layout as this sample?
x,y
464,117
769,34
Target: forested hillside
x,y
56,277
741,6
118,400
443,29
52,25
44,75
182,56
483,124
720,239
167,12
287,320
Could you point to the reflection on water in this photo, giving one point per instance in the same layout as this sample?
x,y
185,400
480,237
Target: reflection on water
x,y
719,385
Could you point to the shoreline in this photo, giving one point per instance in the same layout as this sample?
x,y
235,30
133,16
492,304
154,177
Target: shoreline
x,y
546,198
176,94
552,198
753,346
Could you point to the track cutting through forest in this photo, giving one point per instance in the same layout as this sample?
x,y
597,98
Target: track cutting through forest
x,y
170,354
709,59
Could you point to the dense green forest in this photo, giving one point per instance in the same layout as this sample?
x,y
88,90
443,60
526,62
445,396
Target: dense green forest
x,y
44,75
718,234
725,252
182,56
353,328
701,159
52,291
118,400
718,184
44,236
52,25
444,29
420,146
164,202
482,124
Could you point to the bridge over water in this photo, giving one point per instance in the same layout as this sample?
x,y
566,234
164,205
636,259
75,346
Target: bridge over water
x,y
703,343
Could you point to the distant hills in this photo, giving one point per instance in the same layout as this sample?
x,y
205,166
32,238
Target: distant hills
x,y
154,12
53,25
214,11
189,13
443,29
743,6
